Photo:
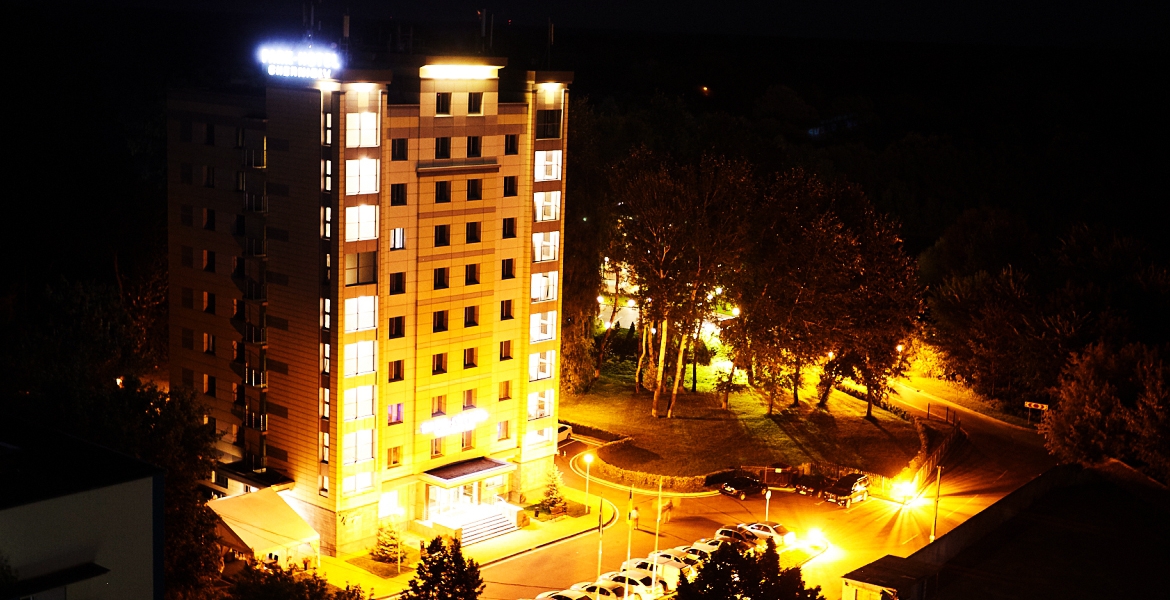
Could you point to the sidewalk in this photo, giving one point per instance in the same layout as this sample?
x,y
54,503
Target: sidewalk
x,y
339,573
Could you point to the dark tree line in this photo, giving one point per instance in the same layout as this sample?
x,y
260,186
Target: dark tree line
x,y
732,574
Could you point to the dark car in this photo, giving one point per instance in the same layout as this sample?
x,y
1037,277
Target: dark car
x,y
848,489
741,487
810,485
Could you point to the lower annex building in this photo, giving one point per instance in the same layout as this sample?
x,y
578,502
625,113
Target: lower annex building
x,y
365,287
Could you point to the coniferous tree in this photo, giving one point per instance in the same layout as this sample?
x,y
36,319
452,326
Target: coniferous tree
x,y
389,546
444,574
552,490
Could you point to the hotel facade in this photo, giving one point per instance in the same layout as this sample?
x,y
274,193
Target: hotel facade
x,y
365,274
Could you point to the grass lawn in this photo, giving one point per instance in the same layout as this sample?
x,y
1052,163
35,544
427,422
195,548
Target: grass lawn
x,y
964,397
702,437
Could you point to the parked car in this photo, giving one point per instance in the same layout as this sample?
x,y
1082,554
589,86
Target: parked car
x,y
681,556
695,553
741,487
740,534
771,529
810,485
564,432
710,545
669,570
642,582
565,595
611,590
848,489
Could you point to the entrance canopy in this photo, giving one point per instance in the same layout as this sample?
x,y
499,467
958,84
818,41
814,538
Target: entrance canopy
x,y
261,523
466,471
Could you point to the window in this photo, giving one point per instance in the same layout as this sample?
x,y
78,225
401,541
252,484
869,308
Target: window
x,y
209,219
186,256
442,147
548,124
326,359
209,261
439,321
544,286
361,313
359,358
442,235
397,370
540,365
185,131
396,327
398,194
397,238
511,144
328,129
543,326
475,189
441,279
505,310
509,185
544,246
361,129
187,297
508,268
325,403
443,103
209,302
361,176
359,402
395,413
209,343
548,206
188,338
548,165
209,385
436,447
240,226
186,214
358,447
210,139
540,404
361,267
474,230
474,146
470,358
540,436
328,168
393,456
438,405
506,350
326,313
326,222
509,228
442,192
238,266
398,149
469,440
357,483
208,176
470,316
469,398
241,183
439,364
505,390
397,283
361,223
503,430
471,274
475,103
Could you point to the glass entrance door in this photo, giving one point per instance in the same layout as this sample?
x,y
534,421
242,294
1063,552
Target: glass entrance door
x,y
441,501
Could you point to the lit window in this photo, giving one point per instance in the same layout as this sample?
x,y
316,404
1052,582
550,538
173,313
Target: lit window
x,y
361,129
359,358
361,313
540,365
540,404
544,246
469,439
438,405
503,430
395,413
394,457
548,165
436,447
365,480
543,326
324,446
358,446
544,286
359,402
548,205
326,222
361,176
505,390
326,313
398,238
361,223
469,398
540,436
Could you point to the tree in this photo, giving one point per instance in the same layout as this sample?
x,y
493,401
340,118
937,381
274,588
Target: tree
x,y
274,583
552,490
444,574
388,548
732,574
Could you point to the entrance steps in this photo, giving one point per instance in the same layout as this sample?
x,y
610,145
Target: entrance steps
x,y
486,528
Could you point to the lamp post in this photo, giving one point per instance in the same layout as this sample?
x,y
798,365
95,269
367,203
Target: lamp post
x,y
767,502
588,458
937,491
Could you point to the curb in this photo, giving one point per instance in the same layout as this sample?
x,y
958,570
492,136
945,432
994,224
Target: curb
x,y
625,488
613,518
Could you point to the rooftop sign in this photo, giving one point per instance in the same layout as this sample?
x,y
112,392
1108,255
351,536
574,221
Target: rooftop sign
x,y
302,63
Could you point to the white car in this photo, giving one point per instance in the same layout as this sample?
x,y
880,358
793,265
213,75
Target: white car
x,y
642,582
564,595
564,432
670,571
771,529
680,555
611,590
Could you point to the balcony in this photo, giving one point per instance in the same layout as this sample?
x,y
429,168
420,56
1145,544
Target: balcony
x,y
256,203
256,378
255,290
255,159
255,334
256,420
257,247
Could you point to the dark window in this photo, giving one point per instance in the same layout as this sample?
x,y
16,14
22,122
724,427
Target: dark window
x,y
509,228
511,144
394,455
471,274
505,354
397,327
361,267
188,339
475,189
474,150
470,316
397,194
508,268
439,364
505,386
473,231
442,192
186,215
210,134
470,358
398,149
509,185
397,283
439,321
208,176
187,256
184,131
209,219
505,310
187,297
443,103
397,370
475,103
240,226
185,173
548,124
441,280
209,261
443,147
442,235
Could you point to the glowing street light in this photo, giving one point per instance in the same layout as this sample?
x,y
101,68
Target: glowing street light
x,y
600,300
831,355
718,290
588,458
900,348
735,312
630,303
767,502
904,490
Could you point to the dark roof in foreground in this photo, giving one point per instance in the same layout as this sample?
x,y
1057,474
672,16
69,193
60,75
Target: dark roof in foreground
x,y
37,463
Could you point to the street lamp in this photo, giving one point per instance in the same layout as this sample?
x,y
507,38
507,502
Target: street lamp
x,y
588,458
767,502
735,312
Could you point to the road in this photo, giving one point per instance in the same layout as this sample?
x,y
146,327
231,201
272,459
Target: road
x,y
998,459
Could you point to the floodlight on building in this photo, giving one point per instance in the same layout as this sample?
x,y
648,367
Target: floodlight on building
x,y
459,72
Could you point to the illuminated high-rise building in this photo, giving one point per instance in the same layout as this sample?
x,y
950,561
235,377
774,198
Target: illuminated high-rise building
x,y
365,288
